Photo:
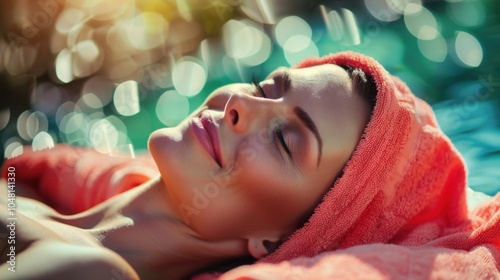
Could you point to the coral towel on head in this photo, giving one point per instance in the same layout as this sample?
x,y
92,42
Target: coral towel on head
x,y
399,210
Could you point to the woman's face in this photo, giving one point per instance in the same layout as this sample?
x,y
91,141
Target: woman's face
x,y
256,162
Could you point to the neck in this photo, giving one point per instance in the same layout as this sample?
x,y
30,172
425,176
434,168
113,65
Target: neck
x,y
141,227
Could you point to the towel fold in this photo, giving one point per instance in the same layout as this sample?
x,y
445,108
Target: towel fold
x,y
72,179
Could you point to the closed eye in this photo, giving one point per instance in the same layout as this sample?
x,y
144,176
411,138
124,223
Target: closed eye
x,y
259,88
279,134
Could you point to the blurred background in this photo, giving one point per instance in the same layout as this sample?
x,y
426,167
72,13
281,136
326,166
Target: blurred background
x,y
105,74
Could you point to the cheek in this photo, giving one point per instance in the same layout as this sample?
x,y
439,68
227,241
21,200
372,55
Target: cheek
x,y
184,171
257,167
265,178
238,204
258,193
267,192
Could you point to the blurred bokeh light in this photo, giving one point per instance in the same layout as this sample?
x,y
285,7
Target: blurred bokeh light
x,y
105,74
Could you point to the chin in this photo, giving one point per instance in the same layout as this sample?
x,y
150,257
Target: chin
x,y
164,145
174,154
161,139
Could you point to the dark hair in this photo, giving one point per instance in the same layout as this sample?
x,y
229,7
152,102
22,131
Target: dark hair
x,y
364,85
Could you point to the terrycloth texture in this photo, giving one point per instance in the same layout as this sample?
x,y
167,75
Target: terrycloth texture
x,y
399,210
467,254
74,179
404,184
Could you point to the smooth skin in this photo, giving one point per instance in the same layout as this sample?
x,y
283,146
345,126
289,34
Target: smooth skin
x,y
281,146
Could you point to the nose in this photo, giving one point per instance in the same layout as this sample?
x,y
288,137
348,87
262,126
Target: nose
x,y
243,112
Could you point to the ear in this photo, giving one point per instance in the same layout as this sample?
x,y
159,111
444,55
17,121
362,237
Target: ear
x,y
260,247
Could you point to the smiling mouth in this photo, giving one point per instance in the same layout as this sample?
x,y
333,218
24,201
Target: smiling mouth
x,y
206,132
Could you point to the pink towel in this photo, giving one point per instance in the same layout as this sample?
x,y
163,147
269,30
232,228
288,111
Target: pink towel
x,y
74,179
404,184
464,253
399,210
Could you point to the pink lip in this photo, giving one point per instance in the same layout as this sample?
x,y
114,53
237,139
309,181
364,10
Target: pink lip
x,y
206,132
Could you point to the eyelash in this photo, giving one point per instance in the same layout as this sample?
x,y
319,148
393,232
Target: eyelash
x,y
278,131
279,134
259,88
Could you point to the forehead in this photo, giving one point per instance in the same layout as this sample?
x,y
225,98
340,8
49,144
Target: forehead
x,y
325,83
325,92
323,87
325,75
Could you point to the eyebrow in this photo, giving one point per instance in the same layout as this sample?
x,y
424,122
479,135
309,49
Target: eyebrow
x,y
304,117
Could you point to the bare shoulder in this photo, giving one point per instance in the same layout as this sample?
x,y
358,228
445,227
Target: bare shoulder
x,y
57,260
